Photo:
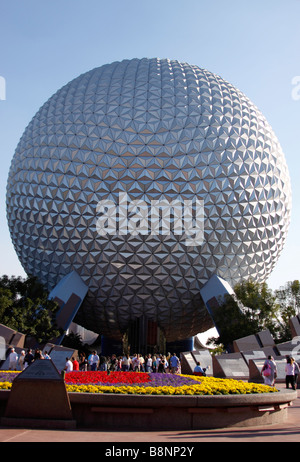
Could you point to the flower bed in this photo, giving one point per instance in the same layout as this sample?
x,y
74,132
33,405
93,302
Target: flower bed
x,y
129,383
149,384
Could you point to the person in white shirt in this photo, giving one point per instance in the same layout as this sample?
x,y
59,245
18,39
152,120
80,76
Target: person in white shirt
x,y
142,363
166,363
290,373
126,361
22,360
46,355
149,363
158,361
94,361
69,365
13,360
136,363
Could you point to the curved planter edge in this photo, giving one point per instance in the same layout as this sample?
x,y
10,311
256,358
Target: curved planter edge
x,y
148,412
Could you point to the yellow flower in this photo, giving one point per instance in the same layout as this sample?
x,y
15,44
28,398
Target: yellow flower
x,y
5,385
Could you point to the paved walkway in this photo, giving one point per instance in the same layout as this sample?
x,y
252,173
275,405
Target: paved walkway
x,y
287,432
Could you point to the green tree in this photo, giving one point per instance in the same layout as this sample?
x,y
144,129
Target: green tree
x,y
288,298
232,323
25,307
259,304
6,301
252,310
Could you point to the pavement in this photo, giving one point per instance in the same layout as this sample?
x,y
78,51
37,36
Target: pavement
x,y
288,431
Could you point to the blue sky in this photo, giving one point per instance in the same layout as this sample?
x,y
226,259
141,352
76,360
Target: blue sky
x,y
253,45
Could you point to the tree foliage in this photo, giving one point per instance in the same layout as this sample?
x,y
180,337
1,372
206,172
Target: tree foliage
x,y
289,296
256,308
25,307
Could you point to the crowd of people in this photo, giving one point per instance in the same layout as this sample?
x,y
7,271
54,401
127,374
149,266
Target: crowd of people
x,y
24,359
269,372
94,362
137,363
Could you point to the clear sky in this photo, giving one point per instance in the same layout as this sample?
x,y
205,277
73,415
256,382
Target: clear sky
x,y
253,45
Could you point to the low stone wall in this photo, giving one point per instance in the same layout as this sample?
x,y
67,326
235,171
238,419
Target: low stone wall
x,y
146,412
179,412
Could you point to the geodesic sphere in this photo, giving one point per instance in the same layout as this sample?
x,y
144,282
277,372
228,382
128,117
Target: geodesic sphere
x,y
154,130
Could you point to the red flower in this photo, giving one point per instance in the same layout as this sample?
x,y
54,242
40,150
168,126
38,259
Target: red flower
x,y
97,377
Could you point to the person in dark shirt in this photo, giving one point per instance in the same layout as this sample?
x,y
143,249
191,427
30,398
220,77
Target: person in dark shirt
x,y
29,358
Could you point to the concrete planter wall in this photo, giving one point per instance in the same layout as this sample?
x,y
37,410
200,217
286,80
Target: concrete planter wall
x,y
131,412
179,412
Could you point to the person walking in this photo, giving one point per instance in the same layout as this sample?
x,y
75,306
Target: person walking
x,y
113,363
166,364
82,362
75,364
269,371
136,363
94,361
290,373
162,366
149,363
126,361
13,360
22,360
68,366
154,364
38,354
142,363
174,363
29,358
